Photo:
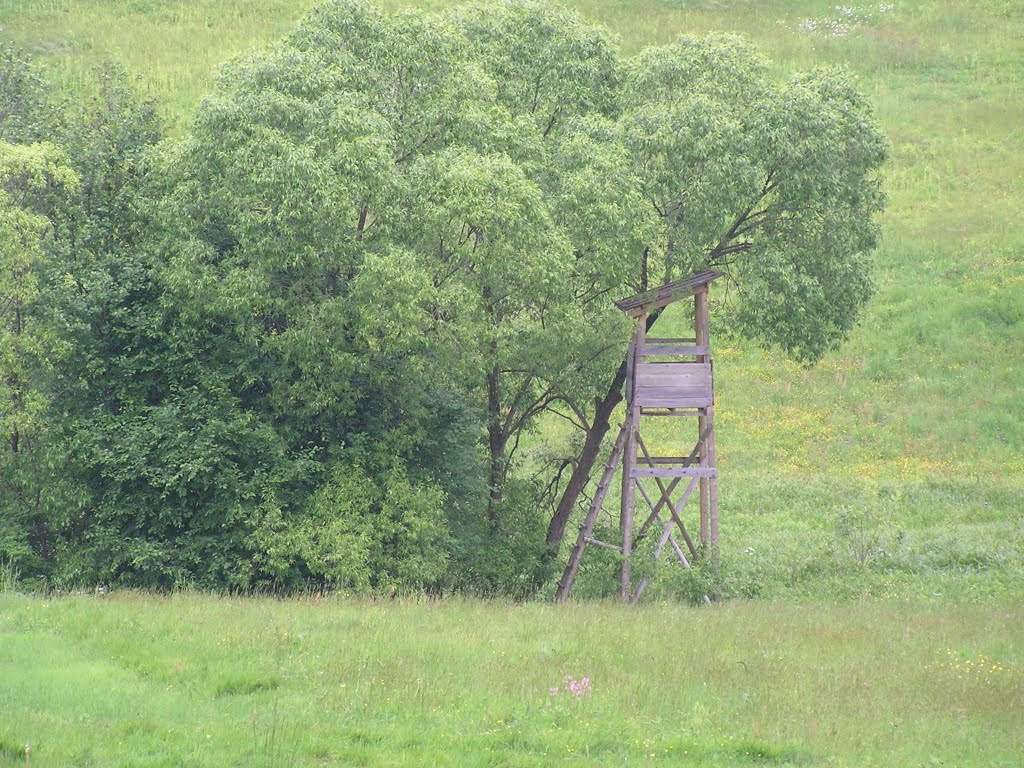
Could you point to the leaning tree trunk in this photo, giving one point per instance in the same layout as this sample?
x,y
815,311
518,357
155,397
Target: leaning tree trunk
x,y
580,476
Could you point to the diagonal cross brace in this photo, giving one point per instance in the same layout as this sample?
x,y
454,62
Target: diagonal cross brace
x,y
674,509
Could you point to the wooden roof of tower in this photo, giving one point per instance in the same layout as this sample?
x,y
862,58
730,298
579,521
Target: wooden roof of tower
x,y
656,298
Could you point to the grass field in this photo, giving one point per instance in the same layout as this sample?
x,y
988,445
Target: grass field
x,y
193,680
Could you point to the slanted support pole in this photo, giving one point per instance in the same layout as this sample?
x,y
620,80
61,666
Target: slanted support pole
x,y
629,462
573,566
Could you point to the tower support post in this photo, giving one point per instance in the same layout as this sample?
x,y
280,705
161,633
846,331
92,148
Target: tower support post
x,y
629,461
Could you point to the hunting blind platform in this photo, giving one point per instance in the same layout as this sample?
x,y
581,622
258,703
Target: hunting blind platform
x,y
664,378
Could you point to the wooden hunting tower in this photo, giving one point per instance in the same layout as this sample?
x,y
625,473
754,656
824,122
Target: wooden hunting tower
x,y
664,378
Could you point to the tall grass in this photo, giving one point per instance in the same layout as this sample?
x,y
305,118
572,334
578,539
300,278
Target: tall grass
x,y
200,681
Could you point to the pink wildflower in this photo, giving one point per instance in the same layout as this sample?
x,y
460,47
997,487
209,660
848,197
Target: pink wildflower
x,y
578,688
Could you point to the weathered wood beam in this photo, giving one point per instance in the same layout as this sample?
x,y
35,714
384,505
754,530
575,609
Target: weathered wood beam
x,y
603,544
681,460
650,351
700,320
701,472
648,301
667,411
629,462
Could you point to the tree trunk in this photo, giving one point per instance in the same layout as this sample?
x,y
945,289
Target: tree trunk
x,y
580,476
496,441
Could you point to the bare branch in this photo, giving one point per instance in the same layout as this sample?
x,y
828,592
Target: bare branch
x,y
580,426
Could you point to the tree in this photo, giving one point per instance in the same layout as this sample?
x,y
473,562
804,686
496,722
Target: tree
x,y
77,295
390,159
35,181
776,184
386,211
26,114
263,220
308,341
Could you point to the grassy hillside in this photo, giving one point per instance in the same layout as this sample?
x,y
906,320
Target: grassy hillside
x,y
200,681
906,442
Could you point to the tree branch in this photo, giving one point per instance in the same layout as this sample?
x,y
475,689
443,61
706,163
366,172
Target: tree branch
x,y
744,223
580,422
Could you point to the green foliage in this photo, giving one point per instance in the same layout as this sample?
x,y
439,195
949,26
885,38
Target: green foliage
x,y
406,527
776,184
35,181
27,115
365,532
828,150
339,239
310,339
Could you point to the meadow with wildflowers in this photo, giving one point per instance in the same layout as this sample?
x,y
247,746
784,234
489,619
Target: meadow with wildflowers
x,y
198,680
